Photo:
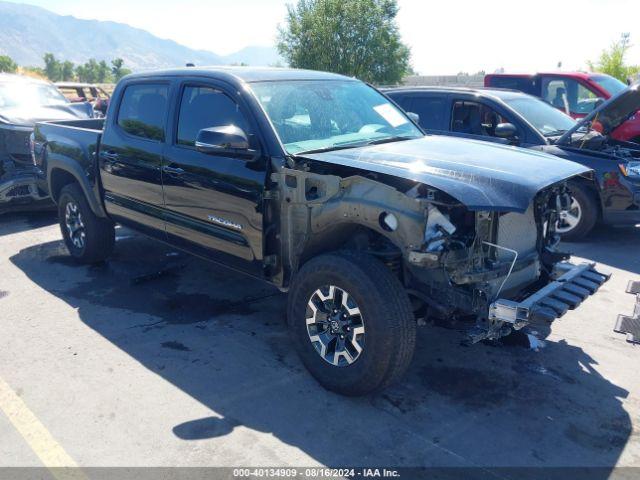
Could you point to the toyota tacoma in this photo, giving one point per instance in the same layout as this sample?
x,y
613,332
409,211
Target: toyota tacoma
x,y
320,185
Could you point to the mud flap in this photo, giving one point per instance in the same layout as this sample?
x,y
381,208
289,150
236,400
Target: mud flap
x,y
630,325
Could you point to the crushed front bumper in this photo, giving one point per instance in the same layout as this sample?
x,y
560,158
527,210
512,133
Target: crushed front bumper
x,y
570,285
20,192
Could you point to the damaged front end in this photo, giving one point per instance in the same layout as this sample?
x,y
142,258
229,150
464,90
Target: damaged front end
x,y
495,270
19,176
500,268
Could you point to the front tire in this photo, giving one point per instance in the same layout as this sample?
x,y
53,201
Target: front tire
x,y
89,238
351,322
576,222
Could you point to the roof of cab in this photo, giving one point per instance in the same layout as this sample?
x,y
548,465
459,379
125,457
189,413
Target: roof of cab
x,y
502,93
246,74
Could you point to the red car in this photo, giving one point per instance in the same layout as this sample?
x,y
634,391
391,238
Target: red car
x,y
575,93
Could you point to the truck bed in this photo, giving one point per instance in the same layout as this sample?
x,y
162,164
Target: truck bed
x,y
72,146
93,124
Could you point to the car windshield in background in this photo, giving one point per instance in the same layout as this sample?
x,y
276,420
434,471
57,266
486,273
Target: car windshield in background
x,y
549,121
610,84
311,115
25,94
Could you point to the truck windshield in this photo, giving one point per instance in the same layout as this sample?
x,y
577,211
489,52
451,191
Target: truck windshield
x,y
311,115
27,94
549,121
610,84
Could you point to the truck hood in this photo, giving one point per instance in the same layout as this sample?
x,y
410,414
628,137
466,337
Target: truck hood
x,y
611,114
28,116
480,175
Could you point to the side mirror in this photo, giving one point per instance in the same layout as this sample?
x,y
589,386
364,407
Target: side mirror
x,y
222,139
414,116
599,101
506,130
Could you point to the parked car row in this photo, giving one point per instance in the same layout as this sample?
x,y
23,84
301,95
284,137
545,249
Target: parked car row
x,y
77,92
515,118
575,93
23,102
322,186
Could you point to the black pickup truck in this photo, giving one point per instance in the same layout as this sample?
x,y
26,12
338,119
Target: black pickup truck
x,y
320,185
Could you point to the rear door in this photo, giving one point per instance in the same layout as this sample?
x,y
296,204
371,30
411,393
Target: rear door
x,y
213,201
131,156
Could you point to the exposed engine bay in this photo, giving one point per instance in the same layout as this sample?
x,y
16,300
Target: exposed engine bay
x,y
457,263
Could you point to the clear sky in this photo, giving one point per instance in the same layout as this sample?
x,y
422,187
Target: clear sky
x,y
445,36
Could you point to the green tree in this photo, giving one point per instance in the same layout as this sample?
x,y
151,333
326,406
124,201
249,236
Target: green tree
x,y
612,60
52,67
117,69
357,38
89,72
103,73
7,65
67,71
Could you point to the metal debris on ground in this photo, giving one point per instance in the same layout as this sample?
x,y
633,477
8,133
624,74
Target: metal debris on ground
x,y
630,325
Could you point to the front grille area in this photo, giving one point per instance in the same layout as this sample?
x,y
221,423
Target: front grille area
x,y
518,232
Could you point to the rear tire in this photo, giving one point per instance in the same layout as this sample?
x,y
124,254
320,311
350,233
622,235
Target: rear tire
x,y
89,238
379,354
584,202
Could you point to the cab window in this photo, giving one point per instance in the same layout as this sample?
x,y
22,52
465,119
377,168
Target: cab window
x,y
206,107
473,118
430,110
568,95
143,110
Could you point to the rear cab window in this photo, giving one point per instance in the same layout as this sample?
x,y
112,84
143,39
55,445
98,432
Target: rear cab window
x,y
143,110
522,84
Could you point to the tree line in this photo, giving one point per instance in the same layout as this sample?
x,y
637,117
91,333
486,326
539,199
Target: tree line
x,y
357,38
92,71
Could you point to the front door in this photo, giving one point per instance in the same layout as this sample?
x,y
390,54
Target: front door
x,y
213,201
570,95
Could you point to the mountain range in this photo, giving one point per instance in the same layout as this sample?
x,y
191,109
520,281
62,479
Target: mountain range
x,y
28,32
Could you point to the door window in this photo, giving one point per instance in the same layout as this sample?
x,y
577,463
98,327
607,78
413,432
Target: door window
x,y
206,107
143,110
475,118
568,94
430,110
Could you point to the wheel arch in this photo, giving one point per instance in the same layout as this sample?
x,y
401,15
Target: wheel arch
x,y
61,172
592,188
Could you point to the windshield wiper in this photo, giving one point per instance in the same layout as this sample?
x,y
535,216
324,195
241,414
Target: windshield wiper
x,y
330,148
555,133
397,138
344,146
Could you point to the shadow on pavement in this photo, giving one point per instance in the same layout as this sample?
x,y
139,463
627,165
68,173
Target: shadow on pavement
x,y
19,222
221,338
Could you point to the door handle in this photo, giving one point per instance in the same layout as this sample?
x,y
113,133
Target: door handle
x,y
110,156
172,170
